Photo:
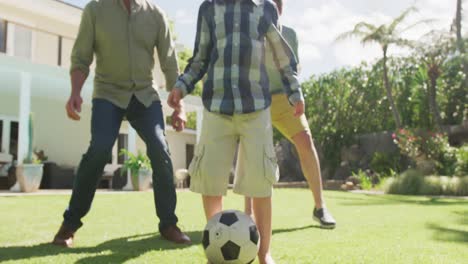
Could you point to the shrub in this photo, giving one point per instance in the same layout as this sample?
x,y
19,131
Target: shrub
x,y
385,163
410,182
431,186
462,186
413,183
364,179
423,147
461,167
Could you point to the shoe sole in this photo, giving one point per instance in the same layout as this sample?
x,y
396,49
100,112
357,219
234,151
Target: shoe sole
x,y
322,225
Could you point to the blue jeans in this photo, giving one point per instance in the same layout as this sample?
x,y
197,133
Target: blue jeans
x,y
105,124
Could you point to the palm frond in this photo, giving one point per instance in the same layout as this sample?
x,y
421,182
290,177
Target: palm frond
x,y
401,17
424,21
350,34
361,29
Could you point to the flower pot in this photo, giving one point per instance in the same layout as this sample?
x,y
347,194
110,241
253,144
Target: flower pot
x,y
29,177
142,181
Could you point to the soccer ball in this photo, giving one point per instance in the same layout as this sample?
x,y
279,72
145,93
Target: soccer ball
x,y
230,237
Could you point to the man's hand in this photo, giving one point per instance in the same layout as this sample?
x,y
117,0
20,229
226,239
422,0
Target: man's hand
x,y
74,107
179,118
174,99
299,109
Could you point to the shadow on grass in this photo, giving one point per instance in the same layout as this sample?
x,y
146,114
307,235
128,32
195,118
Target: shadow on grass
x,y
399,199
120,249
287,230
442,233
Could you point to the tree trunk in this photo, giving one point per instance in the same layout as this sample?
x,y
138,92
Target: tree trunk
x,y
458,27
461,49
434,73
396,114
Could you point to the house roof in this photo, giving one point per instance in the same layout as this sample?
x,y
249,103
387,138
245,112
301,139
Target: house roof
x,y
69,4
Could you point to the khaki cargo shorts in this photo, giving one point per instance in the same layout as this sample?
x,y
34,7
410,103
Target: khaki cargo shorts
x,y
214,155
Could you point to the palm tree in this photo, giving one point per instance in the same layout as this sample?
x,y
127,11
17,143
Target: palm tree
x,y
433,51
457,27
384,35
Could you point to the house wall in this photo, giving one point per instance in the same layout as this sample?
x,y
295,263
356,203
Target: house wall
x,y
62,140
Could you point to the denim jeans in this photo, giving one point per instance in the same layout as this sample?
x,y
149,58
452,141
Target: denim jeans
x,y
105,124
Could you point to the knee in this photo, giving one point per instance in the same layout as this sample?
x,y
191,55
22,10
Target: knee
x,y
303,142
100,148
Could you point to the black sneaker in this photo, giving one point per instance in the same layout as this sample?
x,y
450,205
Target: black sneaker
x,y
325,219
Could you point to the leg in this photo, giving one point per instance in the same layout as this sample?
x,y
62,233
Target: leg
x,y
298,132
262,211
105,124
248,206
149,124
310,165
256,172
212,205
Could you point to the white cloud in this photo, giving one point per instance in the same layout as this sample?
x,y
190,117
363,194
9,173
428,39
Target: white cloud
x,y
184,17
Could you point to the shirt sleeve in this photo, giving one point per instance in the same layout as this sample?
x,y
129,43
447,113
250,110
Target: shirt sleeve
x,y
166,52
295,48
198,64
286,61
83,49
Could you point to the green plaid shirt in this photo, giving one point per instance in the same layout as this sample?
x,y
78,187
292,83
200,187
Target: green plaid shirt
x,y
276,83
230,48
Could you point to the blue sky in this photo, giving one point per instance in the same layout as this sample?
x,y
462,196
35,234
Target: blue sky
x,y
318,22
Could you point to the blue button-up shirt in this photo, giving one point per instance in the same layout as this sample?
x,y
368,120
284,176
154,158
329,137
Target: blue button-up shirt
x,y
230,49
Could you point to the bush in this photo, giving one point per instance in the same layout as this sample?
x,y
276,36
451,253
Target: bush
x,y
431,186
462,161
385,163
410,182
413,183
462,186
364,180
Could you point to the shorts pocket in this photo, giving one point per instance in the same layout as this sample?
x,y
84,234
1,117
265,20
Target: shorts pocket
x,y
270,164
195,164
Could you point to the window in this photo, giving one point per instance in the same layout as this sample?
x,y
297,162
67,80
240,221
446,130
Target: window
x,y
22,42
9,136
3,35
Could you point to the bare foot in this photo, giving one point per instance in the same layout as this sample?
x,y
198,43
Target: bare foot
x,y
266,259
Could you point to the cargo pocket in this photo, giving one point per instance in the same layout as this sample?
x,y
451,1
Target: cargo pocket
x,y
195,164
270,164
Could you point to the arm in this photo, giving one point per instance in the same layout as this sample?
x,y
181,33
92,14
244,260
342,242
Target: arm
x,y
198,64
81,59
286,61
73,105
167,53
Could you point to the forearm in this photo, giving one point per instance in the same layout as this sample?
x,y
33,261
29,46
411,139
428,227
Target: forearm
x,y
286,63
78,79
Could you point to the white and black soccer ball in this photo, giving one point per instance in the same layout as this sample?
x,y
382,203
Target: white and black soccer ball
x,y
230,237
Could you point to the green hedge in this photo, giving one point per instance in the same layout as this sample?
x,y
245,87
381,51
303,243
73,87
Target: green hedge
x,y
413,182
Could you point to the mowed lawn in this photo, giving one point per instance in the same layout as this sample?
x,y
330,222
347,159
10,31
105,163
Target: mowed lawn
x,y
122,228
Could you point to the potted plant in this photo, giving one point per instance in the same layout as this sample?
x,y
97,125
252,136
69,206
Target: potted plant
x,y
140,169
29,174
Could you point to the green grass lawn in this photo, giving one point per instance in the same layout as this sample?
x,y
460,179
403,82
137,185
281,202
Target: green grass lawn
x,y
122,228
